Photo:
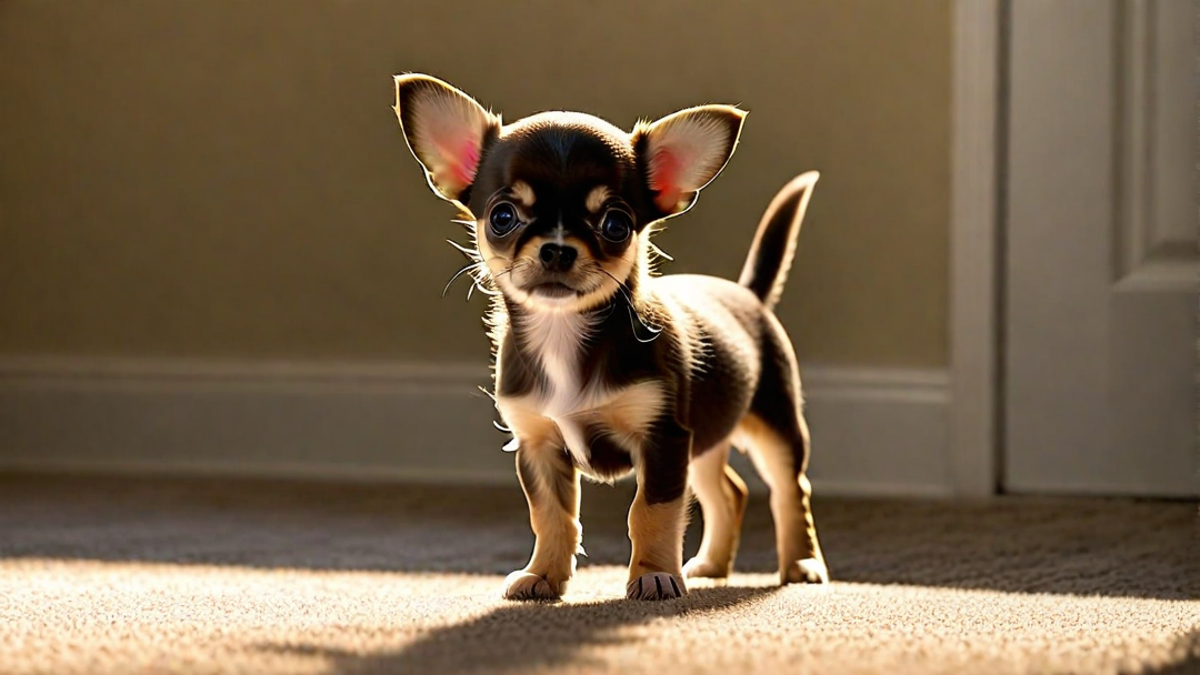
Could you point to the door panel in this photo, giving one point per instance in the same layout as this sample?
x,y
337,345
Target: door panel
x,y
1101,261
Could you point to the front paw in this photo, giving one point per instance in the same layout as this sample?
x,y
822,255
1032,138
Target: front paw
x,y
807,571
522,585
655,586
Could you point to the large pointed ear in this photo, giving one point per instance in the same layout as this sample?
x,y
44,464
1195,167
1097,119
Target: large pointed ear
x,y
683,152
446,131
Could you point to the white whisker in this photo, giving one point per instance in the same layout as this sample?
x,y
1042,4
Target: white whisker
x,y
470,253
465,269
658,251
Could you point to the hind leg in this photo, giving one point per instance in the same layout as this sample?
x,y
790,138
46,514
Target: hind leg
x,y
780,455
722,496
779,444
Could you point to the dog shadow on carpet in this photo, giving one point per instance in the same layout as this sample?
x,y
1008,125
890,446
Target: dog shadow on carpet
x,y
501,641
517,637
1186,657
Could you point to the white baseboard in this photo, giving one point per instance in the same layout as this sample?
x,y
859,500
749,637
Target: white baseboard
x,y
875,431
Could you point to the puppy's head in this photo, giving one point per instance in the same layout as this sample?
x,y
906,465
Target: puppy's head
x,y
562,201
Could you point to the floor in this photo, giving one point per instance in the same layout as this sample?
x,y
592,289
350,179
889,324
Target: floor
x,y
123,575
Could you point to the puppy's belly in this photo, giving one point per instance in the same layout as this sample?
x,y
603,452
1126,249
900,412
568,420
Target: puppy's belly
x,y
591,444
600,429
595,450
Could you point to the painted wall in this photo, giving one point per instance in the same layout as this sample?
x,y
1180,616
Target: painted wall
x,y
225,178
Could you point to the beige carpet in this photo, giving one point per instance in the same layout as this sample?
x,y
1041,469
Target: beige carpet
x,y
155,576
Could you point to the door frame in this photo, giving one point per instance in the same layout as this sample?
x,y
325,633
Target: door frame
x,y
978,104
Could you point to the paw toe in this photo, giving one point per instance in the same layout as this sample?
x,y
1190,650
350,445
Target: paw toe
x,y
655,586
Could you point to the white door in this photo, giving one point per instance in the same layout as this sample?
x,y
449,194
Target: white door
x,y
1100,249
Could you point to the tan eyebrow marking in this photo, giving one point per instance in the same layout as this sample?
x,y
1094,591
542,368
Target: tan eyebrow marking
x,y
524,193
596,198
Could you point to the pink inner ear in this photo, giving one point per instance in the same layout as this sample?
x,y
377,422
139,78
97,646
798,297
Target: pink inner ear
x,y
468,163
460,159
665,173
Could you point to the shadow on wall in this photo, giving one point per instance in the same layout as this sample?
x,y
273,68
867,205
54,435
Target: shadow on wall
x,y
1114,547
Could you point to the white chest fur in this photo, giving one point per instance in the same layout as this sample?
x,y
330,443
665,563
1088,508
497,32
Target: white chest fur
x,y
557,339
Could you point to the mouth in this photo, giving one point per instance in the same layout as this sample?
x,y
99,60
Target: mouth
x,y
552,289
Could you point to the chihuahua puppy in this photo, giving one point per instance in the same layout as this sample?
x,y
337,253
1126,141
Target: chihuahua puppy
x,y
602,369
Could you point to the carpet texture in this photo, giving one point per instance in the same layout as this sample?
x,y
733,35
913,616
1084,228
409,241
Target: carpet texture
x,y
122,575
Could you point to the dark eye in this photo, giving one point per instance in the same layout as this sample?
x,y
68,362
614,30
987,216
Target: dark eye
x,y
616,226
503,219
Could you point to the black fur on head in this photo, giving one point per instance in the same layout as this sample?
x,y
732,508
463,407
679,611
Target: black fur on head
x,y
563,202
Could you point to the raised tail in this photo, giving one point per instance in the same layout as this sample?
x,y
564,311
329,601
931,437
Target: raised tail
x,y
774,245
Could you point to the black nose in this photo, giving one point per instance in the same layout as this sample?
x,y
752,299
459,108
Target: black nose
x,y
557,258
